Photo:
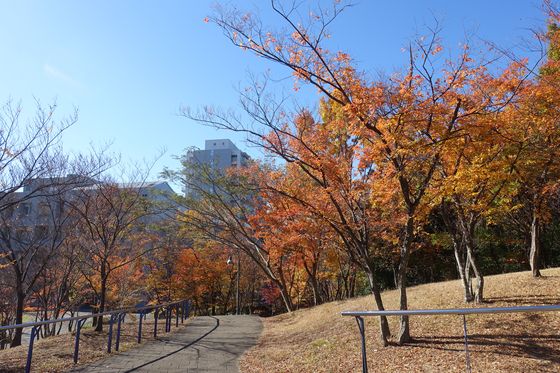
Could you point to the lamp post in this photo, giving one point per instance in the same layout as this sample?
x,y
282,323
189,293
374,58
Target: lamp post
x,y
230,262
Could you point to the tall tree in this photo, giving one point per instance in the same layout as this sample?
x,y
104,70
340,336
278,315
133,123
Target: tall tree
x,y
113,231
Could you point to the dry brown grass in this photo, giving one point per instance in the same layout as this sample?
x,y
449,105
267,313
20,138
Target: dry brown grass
x,y
321,340
55,354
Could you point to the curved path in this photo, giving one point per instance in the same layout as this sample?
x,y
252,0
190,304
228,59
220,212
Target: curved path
x,y
207,344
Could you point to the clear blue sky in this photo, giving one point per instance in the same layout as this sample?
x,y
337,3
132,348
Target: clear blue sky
x,y
129,65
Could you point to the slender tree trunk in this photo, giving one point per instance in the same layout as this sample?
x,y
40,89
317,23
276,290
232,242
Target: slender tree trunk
x,y
460,260
352,283
479,293
281,283
102,294
471,263
316,291
16,340
535,249
463,267
404,331
467,228
385,332
285,296
345,291
312,280
468,277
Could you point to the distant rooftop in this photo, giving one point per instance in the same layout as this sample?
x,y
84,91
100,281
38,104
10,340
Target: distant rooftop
x,y
219,144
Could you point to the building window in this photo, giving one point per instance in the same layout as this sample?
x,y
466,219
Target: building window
x,y
24,209
41,232
21,234
9,212
43,209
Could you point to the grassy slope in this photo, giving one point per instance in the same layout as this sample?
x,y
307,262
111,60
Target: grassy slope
x,y
320,340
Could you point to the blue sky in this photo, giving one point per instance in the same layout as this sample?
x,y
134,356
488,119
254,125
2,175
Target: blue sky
x,y
129,65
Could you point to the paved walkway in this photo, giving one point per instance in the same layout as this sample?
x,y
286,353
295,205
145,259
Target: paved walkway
x,y
207,344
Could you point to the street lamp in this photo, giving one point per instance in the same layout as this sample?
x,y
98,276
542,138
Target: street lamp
x,y
230,262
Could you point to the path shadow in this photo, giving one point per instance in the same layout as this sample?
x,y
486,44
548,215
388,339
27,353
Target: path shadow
x,y
184,346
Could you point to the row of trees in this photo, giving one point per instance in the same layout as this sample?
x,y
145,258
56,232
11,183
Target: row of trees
x,y
69,233
386,169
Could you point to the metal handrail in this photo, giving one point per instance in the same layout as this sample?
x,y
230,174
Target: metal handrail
x,y
66,319
181,307
452,311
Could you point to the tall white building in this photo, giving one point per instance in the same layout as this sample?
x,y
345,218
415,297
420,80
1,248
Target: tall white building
x,y
44,199
218,155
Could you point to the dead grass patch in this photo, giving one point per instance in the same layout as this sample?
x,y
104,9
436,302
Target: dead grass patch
x,y
319,339
55,354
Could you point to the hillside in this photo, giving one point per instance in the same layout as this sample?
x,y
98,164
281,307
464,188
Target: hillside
x,y
320,340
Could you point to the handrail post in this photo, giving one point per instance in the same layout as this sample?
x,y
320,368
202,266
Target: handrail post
x,y
362,328
120,318
79,325
110,336
170,315
30,349
182,312
140,326
156,311
467,354
168,321
169,318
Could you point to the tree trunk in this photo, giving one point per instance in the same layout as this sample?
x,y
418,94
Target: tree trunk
x,y
535,250
281,283
312,280
16,340
385,332
463,267
102,294
404,331
316,291
467,228
352,293
460,260
285,296
471,263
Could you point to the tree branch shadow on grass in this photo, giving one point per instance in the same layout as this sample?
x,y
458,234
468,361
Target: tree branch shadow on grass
x,y
514,345
530,300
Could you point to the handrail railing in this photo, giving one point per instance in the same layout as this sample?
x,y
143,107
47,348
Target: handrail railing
x,y
359,315
181,308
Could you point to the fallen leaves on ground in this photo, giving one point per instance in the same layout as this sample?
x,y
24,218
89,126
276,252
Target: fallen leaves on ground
x,y
319,339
